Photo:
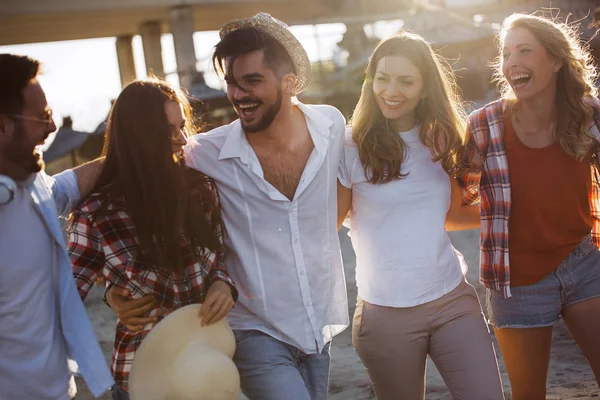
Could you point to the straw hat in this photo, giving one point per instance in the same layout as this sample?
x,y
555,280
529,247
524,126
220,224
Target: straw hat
x,y
279,31
179,359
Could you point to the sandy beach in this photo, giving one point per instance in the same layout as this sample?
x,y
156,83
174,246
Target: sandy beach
x,y
569,377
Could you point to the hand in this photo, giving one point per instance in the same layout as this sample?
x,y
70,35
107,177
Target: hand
x,y
132,313
217,304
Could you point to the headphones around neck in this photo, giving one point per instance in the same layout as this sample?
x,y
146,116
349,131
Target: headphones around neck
x,y
8,187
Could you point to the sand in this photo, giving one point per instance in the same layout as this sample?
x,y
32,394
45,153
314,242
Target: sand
x,y
569,377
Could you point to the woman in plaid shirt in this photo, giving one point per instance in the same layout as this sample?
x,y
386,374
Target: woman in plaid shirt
x,y
540,222
151,225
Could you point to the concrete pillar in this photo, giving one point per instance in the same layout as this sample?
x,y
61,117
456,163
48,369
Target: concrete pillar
x,y
151,32
125,59
182,28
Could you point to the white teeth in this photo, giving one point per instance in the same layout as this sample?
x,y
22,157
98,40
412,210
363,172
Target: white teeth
x,y
520,76
244,106
392,103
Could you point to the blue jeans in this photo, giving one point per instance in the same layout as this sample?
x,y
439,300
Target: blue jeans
x,y
118,393
272,370
575,280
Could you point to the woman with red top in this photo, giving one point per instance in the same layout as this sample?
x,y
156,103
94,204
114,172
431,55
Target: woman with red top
x,y
151,225
533,166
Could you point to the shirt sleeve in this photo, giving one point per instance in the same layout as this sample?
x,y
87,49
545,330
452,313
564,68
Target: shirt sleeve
x,y
85,251
346,162
65,192
201,154
472,162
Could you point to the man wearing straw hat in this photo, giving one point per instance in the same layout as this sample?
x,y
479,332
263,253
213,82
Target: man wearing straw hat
x,y
276,170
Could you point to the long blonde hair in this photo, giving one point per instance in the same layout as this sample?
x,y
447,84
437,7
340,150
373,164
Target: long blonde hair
x,y
380,149
575,80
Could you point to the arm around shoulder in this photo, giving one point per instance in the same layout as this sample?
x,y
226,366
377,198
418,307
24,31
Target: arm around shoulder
x,y
68,187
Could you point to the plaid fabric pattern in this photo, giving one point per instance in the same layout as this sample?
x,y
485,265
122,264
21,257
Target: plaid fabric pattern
x,y
105,249
488,183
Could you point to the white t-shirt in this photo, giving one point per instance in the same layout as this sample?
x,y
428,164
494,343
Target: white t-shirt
x,y
404,256
33,354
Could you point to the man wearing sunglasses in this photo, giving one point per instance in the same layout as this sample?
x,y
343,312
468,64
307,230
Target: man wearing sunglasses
x,y
43,323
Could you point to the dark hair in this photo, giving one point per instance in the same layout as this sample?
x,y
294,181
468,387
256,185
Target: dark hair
x,y
139,168
15,74
247,40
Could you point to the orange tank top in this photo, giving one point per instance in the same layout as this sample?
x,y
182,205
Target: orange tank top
x,y
550,207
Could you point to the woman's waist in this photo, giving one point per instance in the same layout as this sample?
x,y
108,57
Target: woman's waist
x,y
417,247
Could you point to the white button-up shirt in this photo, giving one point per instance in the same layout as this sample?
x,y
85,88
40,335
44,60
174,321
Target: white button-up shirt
x,y
284,255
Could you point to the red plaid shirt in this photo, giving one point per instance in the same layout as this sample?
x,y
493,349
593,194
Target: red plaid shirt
x,y
489,185
105,249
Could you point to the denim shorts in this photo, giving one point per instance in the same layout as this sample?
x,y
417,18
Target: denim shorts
x,y
575,280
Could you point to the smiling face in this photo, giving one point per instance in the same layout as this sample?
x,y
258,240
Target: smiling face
x,y
30,129
526,64
254,90
398,88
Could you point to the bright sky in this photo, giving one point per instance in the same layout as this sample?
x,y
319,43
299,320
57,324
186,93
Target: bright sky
x,y
81,77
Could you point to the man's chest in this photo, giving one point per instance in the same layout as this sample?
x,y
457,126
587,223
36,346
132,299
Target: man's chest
x,y
284,169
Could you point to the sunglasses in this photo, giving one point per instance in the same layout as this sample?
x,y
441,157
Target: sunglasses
x,y
47,119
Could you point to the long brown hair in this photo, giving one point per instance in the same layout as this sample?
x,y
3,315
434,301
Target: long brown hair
x,y
575,80
139,168
443,121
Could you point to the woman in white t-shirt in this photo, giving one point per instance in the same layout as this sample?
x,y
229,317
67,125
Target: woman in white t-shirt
x,y
397,180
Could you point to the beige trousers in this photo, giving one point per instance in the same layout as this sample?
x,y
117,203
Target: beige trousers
x,y
393,343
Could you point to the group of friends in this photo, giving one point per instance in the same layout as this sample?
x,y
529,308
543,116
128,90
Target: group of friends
x,y
244,219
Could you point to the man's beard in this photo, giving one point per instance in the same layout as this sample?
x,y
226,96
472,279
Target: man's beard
x,y
22,154
268,117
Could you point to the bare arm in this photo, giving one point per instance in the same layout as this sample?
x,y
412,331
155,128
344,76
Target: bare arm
x,y
344,199
87,174
68,187
459,216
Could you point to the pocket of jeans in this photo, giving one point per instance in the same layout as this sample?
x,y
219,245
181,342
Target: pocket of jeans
x,y
241,335
472,292
357,320
585,248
